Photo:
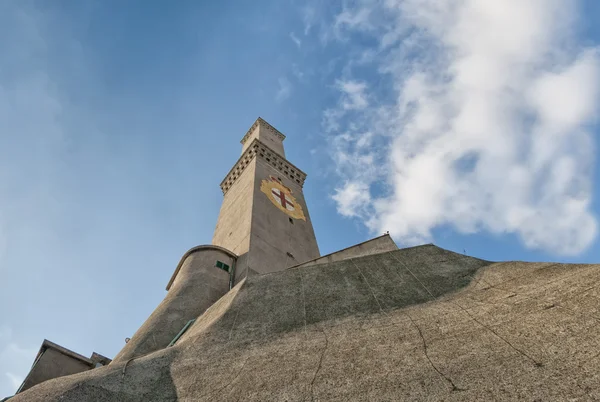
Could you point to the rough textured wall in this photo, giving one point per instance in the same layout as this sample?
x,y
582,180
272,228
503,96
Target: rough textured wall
x,y
401,325
53,364
197,286
374,246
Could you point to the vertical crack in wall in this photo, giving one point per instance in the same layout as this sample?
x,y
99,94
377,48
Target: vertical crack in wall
x,y
312,382
448,379
425,348
426,352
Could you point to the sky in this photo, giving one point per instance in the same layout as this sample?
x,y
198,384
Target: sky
x,y
466,123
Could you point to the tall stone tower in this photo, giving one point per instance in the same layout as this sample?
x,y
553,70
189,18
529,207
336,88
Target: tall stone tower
x,y
263,227
264,218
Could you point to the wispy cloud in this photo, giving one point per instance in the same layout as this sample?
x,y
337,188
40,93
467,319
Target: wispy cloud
x,y
295,39
285,89
309,14
488,126
352,198
354,18
354,94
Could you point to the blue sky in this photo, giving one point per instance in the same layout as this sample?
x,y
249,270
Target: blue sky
x,y
464,123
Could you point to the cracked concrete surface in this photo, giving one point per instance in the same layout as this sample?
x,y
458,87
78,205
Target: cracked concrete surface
x,y
412,324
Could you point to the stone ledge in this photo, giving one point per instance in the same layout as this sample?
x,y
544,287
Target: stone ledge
x,y
258,148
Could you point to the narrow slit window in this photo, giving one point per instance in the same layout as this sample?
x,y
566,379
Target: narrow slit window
x,y
185,328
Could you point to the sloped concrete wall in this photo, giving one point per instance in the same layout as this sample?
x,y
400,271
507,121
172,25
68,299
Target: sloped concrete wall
x,y
377,245
287,301
413,324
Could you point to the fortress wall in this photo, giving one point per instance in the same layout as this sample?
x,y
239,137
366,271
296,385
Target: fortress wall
x,y
413,324
288,300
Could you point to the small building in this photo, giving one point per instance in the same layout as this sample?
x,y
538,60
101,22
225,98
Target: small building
x,y
53,361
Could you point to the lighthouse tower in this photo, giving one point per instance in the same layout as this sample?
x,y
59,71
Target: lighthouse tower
x,y
263,227
264,218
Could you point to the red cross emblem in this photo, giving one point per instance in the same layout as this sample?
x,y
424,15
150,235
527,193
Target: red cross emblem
x,y
282,199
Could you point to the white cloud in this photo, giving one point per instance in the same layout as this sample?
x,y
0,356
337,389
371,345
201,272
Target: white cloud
x,y
284,91
489,124
352,198
357,18
354,94
309,18
295,39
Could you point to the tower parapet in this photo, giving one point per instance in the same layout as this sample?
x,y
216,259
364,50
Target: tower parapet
x,y
257,149
265,133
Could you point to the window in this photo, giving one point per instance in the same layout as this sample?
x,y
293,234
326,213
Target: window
x,y
222,265
185,328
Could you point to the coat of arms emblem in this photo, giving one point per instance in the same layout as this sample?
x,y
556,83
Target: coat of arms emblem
x,y
281,197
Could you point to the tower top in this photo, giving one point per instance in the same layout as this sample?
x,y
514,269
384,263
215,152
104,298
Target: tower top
x,y
267,134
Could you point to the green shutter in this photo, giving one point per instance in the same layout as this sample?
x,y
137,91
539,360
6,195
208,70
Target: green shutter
x,y
222,265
